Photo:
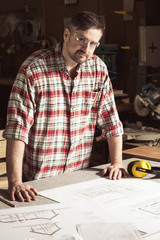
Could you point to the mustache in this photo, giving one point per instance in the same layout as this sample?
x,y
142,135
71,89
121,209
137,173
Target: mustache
x,y
81,51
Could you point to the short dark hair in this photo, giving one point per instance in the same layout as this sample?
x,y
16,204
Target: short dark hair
x,y
87,20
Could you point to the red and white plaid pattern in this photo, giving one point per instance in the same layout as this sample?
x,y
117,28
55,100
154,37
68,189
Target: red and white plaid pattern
x,y
56,116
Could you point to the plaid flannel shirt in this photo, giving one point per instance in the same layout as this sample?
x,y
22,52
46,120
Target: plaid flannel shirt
x,y
56,116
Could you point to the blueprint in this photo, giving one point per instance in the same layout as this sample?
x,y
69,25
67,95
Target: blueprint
x,y
59,222
130,200
100,209
50,221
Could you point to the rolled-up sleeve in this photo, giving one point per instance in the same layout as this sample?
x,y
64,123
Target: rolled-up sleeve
x,y
108,117
21,107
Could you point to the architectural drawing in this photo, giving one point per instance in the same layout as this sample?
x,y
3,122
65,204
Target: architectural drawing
x,y
151,206
127,200
42,222
22,217
45,229
104,188
104,191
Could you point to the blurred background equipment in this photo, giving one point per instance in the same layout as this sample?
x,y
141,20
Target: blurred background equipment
x,y
148,101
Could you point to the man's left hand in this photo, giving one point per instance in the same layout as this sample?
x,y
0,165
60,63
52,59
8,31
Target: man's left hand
x,y
114,171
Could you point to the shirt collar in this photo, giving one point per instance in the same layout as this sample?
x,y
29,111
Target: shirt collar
x,y
59,57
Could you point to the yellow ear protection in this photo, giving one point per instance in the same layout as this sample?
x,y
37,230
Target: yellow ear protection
x,y
141,168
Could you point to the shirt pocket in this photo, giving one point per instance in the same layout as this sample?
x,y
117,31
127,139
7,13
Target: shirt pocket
x,y
95,99
90,102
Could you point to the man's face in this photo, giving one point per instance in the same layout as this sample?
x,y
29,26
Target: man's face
x,y
80,45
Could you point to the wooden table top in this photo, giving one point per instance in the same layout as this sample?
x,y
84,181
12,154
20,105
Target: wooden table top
x,y
144,151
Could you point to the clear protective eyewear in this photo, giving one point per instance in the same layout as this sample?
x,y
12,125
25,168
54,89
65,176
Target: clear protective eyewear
x,y
83,41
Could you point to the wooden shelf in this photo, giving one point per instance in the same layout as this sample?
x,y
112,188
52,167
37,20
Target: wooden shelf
x,y
6,81
2,145
3,175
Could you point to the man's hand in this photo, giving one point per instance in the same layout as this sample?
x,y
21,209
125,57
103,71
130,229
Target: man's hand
x,y
114,171
23,192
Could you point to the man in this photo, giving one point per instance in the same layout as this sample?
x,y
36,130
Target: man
x,y
58,98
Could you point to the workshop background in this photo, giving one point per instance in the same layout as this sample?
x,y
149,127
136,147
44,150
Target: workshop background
x,y
130,47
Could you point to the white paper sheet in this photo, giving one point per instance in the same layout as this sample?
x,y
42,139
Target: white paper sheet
x,y
50,221
59,222
109,231
103,190
131,200
96,204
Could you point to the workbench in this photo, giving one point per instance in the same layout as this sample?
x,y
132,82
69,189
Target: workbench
x,y
65,179
81,176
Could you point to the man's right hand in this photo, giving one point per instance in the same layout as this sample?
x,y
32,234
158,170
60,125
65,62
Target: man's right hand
x,y
14,162
23,192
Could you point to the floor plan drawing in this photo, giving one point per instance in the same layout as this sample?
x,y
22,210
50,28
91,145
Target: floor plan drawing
x,y
22,217
151,206
105,191
127,202
45,229
45,222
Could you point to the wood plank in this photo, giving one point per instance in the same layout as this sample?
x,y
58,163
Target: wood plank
x,y
144,151
2,145
1,132
3,148
3,175
6,81
2,168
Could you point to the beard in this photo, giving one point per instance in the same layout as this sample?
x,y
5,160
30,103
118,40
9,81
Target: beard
x,y
80,56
